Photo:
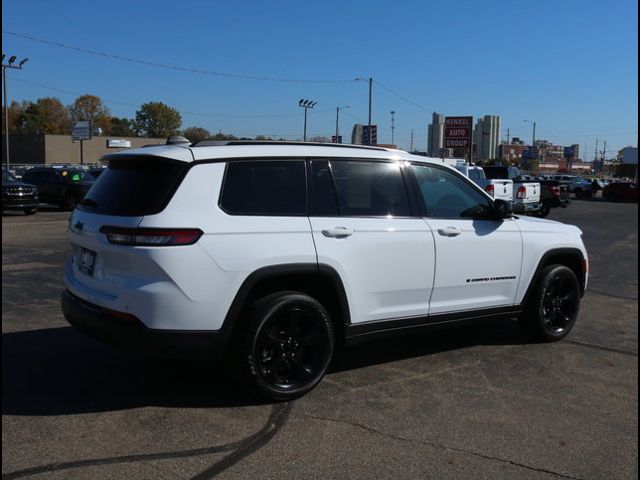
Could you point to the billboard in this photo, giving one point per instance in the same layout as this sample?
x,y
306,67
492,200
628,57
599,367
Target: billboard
x,y
457,132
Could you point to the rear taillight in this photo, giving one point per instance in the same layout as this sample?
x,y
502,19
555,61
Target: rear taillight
x,y
555,190
490,189
522,192
151,237
585,265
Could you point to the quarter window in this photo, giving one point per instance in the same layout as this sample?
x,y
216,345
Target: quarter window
x,y
446,195
265,187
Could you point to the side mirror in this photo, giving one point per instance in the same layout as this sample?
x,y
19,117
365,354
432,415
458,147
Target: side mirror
x,y
502,209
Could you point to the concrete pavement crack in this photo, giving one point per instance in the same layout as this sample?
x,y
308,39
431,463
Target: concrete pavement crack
x,y
441,446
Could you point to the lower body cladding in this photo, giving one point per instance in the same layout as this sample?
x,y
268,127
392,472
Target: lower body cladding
x,y
127,332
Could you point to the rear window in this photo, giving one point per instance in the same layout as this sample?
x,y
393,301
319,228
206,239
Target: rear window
x,y
265,187
134,187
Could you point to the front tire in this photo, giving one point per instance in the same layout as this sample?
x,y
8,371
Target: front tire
x,y
552,310
285,346
31,211
543,212
578,193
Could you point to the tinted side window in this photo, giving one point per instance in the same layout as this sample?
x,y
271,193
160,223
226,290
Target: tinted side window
x,y
370,189
323,200
446,195
265,188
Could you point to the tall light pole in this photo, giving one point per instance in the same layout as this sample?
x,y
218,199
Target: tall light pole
x,y
370,99
533,141
10,64
306,104
393,127
337,115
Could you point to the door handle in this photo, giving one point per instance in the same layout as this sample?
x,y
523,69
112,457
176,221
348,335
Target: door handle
x,y
337,232
449,231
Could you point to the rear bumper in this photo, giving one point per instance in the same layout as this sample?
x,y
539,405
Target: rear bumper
x,y
129,333
526,207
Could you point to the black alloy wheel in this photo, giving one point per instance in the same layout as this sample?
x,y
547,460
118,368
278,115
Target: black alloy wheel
x,y
289,345
553,307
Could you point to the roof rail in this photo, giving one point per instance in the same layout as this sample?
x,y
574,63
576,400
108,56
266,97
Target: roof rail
x,y
220,143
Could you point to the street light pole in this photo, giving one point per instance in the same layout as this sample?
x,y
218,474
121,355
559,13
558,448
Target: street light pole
x,y
11,65
533,140
306,104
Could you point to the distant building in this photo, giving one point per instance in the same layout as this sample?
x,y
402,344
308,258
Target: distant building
x,y
486,137
435,135
360,135
37,149
357,134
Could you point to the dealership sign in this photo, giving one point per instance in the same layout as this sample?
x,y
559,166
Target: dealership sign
x,y
457,132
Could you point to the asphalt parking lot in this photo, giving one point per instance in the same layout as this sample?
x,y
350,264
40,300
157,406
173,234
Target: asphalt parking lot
x,y
474,402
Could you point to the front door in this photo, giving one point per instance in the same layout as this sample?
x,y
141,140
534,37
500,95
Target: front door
x,y
478,260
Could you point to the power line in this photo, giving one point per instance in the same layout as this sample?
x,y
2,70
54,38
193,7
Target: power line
x,y
116,102
402,97
169,66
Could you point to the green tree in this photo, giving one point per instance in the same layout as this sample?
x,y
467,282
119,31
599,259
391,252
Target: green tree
x,y
223,136
122,127
155,119
46,115
90,107
196,134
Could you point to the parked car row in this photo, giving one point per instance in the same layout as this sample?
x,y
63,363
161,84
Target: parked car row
x,y
64,187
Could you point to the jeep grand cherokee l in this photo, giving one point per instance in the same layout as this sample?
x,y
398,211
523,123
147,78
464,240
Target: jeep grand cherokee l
x,y
275,254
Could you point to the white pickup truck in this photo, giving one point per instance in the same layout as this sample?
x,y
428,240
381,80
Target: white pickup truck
x,y
526,195
499,189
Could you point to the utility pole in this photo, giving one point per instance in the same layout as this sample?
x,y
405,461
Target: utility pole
x,y
604,152
411,149
595,155
508,136
393,127
370,98
11,65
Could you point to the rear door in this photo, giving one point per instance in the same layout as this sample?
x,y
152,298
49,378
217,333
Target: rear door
x,y
365,227
478,260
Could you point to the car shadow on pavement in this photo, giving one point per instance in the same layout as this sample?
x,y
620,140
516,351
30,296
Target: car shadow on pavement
x,y
58,371
430,342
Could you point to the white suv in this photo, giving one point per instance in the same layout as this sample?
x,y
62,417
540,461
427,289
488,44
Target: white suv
x,y
276,254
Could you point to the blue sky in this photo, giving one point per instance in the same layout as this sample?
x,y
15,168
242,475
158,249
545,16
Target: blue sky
x,y
572,66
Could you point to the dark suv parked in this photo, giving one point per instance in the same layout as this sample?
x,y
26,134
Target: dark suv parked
x,y
17,195
64,187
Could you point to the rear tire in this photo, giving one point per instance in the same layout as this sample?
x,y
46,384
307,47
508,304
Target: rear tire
x,y
284,346
543,212
31,211
552,309
69,202
578,193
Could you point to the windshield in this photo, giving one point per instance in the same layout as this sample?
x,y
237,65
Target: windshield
x,y
76,176
8,177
